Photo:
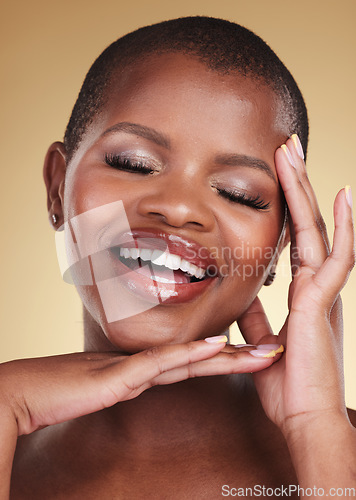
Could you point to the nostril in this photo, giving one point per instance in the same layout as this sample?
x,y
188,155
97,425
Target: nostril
x,y
175,221
176,210
157,214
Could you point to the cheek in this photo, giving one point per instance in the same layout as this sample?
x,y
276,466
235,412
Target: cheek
x,y
85,191
248,249
249,244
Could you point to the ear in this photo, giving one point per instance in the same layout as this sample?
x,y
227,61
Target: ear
x,y
54,170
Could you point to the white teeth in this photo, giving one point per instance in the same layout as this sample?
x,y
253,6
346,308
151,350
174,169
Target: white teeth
x,y
173,261
184,265
169,260
192,269
125,252
145,254
159,258
134,253
201,273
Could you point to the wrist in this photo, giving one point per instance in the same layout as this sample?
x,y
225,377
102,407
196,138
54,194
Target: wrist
x,y
320,444
313,426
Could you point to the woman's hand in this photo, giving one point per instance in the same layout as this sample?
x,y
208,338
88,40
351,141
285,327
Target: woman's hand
x,y
46,391
35,393
309,378
306,386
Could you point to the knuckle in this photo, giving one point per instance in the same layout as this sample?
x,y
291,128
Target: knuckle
x,y
154,353
317,225
190,348
301,228
338,257
190,370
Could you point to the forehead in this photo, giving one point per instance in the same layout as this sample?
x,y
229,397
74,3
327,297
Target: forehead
x,y
170,84
180,96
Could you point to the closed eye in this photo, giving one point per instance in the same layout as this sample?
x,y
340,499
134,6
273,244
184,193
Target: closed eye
x,y
128,164
244,199
139,167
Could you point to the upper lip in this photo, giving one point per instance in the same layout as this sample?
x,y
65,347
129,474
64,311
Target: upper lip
x,y
157,239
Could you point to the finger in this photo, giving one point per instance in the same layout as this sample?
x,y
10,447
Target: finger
x,y
128,380
296,150
334,273
308,238
54,389
221,364
293,250
254,324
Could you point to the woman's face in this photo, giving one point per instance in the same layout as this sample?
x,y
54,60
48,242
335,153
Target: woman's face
x,y
189,155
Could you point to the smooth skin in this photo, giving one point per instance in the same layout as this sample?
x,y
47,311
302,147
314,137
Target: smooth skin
x,y
178,430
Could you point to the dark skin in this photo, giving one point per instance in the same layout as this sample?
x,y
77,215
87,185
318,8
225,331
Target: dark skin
x,y
187,438
209,122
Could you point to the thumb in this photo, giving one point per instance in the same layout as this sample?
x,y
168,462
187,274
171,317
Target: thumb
x,y
254,324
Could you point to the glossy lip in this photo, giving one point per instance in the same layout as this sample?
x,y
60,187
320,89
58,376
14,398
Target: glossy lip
x,y
151,290
155,239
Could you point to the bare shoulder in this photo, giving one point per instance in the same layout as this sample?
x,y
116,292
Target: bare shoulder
x,y
352,416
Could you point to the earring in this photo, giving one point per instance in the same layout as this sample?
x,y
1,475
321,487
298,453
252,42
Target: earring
x,y
54,219
270,278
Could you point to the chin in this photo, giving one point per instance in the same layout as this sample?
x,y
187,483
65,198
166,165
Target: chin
x,y
155,328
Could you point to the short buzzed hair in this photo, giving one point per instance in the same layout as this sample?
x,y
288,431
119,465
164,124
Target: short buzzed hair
x,y
222,46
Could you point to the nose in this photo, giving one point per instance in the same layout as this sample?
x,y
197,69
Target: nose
x,y
180,203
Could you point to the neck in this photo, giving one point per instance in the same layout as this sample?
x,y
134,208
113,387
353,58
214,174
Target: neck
x,y
203,412
199,409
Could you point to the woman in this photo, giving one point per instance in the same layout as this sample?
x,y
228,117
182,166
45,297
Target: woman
x,y
184,142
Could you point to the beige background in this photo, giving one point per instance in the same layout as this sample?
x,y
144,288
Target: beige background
x,y
46,49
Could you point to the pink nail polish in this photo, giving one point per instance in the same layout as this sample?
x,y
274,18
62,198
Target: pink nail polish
x,y
244,345
348,195
288,155
218,339
268,346
270,351
298,145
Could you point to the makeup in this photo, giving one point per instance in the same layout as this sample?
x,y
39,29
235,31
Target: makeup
x,y
163,267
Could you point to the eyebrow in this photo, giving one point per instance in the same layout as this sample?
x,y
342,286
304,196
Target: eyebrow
x,y
140,130
231,160
238,160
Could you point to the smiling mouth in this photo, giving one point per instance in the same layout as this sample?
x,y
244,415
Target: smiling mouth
x,y
161,266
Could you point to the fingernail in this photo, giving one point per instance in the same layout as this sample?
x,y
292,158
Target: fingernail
x,y
288,155
348,195
298,145
219,339
268,346
267,350
244,345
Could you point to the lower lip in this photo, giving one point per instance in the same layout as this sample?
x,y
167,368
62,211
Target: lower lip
x,y
154,291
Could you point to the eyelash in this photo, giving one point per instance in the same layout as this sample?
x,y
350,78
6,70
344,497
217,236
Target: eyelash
x,y
244,199
136,166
